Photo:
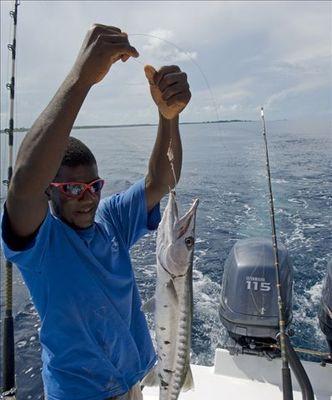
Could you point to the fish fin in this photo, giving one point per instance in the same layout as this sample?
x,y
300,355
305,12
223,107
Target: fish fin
x,y
189,381
149,306
151,379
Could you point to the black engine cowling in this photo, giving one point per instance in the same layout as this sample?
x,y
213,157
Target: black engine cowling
x,y
248,304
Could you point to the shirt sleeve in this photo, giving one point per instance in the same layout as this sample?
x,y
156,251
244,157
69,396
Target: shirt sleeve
x,y
128,212
29,255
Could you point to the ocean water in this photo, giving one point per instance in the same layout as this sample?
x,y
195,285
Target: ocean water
x,y
223,166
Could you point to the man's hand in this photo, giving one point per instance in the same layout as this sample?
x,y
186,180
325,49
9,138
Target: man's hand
x,y
41,152
169,89
102,47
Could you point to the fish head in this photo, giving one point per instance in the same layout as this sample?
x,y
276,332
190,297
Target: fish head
x,y
177,238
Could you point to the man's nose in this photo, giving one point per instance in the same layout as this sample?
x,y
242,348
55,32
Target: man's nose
x,y
89,196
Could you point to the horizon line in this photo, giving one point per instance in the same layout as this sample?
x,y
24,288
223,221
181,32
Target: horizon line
x,y
142,124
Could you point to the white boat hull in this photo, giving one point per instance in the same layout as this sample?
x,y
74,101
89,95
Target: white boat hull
x,y
250,378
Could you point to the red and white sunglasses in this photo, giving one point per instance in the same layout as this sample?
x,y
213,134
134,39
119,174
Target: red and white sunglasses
x,y
76,190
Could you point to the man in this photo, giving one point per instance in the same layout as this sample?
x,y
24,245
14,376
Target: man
x,y
75,259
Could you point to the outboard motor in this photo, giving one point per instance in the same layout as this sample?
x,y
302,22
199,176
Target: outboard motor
x,y
248,304
325,313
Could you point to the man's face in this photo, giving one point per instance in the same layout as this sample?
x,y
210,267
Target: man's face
x,y
77,213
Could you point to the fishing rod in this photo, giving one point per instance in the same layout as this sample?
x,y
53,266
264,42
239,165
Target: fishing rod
x,y
286,349
286,375
8,361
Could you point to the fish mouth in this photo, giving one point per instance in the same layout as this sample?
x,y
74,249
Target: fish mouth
x,y
187,219
194,206
191,211
175,226
174,204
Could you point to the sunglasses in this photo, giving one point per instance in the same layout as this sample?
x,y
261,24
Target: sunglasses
x,y
76,190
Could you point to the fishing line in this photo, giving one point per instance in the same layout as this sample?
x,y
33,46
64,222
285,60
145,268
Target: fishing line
x,y
170,154
212,97
191,59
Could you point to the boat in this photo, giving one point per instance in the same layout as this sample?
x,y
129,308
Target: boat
x,y
248,377
250,367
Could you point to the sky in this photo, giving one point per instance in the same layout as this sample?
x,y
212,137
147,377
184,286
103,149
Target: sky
x,y
238,55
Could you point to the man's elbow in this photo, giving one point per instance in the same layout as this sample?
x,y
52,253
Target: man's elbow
x,y
155,191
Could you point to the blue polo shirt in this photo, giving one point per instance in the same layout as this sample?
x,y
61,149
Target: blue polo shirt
x,y
94,336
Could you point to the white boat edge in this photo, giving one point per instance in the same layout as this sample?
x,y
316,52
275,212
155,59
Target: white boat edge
x,y
248,377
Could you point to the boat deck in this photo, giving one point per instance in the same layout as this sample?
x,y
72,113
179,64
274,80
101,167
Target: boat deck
x,y
248,377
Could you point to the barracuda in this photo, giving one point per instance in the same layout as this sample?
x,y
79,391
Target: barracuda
x,y
173,301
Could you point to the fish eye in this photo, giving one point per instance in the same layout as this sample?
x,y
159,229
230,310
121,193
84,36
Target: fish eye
x,y
189,241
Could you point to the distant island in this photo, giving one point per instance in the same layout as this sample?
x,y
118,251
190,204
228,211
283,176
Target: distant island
x,y
225,121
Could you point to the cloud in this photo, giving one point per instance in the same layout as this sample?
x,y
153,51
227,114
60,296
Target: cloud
x,y
245,52
296,90
160,46
224,101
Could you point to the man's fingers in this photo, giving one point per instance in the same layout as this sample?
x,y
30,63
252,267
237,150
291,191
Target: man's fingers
x,y
165,70
121,49
101,27
171,79
174,90
182,97
124,58
169,89
113,38
122,38
98,29
168,80
150,73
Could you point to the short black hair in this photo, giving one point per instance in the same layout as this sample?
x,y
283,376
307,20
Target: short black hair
x,y
76,153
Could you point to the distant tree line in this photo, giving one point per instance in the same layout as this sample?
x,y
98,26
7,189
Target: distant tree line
x,y
132,125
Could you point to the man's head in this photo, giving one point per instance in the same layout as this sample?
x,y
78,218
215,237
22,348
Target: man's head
x,y
78,165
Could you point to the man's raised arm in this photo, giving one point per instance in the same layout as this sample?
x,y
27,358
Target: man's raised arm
x,y
42,149
170,91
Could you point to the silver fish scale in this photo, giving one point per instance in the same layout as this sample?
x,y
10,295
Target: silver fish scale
x,y
174,341
174,298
